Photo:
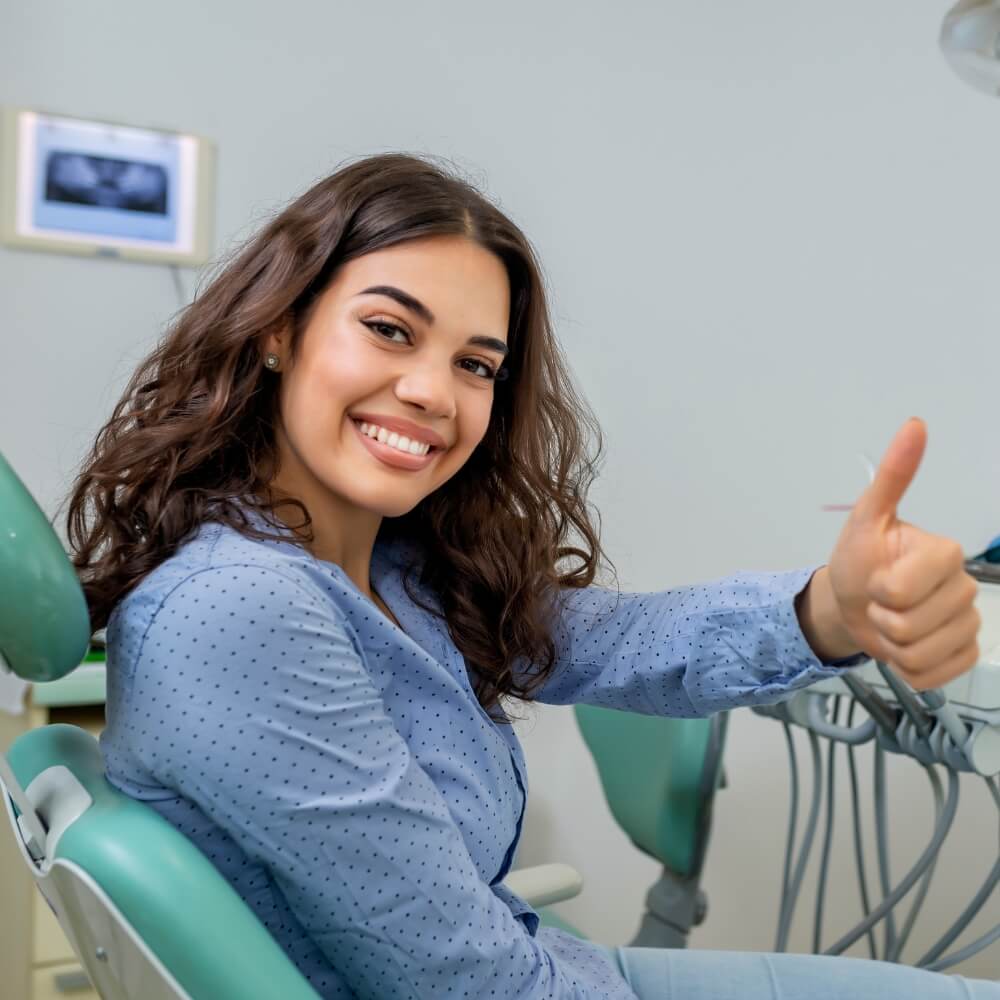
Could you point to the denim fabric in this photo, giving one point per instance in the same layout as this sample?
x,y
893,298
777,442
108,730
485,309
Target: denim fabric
x,y
684,974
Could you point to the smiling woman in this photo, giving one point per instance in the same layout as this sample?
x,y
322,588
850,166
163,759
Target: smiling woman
x,y
391,293
327,527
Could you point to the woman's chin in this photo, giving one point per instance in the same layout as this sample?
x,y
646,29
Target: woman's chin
x,y
384,506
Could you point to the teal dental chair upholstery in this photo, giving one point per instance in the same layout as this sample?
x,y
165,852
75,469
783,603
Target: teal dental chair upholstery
x,y
664,805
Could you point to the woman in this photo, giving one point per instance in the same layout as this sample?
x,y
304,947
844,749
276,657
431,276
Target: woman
x,y
338,522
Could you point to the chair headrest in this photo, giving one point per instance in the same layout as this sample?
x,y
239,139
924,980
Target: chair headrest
x,y
44,625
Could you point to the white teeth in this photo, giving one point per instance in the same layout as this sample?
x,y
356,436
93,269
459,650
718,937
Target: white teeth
x,y
394,440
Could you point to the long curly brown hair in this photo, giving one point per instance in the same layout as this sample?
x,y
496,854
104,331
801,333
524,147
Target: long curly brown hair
x,y
192,438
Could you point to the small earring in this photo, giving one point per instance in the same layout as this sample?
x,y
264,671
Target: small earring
x,y
271,361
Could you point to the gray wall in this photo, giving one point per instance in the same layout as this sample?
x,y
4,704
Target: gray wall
x,y
770,234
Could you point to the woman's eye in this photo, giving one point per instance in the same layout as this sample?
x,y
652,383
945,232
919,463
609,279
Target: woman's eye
x,y
386,330
487,371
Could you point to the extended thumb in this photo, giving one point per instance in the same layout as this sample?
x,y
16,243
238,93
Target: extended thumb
x,y
895,473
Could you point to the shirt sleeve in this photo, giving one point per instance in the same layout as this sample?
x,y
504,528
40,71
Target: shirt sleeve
x,y
274,728
688,652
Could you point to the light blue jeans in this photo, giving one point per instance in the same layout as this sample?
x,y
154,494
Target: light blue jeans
x,y
682,974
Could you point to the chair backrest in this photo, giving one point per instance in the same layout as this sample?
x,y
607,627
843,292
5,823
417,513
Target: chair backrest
x,y
659,777
148,915
44,626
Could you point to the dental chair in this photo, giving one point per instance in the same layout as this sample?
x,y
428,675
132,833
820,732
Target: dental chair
x,y
147,914
664,807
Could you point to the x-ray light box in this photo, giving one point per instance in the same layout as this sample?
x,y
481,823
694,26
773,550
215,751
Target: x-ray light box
x,y
71,185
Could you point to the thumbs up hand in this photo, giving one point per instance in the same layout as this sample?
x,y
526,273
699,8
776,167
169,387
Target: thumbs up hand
x,y
903,594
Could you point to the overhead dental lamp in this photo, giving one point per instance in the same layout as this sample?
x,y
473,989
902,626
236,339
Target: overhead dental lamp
x,y
970,41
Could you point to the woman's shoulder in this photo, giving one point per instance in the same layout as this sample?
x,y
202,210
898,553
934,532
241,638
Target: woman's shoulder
x,y
219,558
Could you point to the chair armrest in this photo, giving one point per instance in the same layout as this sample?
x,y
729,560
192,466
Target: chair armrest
x,y
544,884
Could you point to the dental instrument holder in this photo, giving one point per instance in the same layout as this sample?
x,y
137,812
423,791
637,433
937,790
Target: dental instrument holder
x,y
957,726
809,710
931,743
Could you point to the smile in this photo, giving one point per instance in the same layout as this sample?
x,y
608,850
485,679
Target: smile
x,y
403,453
393,440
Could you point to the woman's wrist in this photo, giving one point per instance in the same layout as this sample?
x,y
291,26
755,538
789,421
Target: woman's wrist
x,y
820,620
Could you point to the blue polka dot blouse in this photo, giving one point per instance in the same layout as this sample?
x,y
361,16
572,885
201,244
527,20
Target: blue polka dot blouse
x,y
340,773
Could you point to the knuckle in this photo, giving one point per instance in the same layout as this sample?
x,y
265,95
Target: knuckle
x,y
897,629
962,661
894,594
905,660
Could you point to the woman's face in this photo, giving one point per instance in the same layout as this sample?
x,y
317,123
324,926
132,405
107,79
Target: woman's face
x,y
398,354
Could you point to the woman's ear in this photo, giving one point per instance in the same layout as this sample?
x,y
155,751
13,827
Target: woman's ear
x,y
276,344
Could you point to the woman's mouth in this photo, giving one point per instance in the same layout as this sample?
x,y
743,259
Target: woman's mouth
x,y
392,449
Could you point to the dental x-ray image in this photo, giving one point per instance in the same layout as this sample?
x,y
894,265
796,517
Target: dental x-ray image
x,y
84,179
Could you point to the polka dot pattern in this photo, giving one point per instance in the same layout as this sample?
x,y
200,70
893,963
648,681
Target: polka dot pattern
x,y
341,775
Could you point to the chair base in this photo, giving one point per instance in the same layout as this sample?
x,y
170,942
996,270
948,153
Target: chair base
x,y
673,906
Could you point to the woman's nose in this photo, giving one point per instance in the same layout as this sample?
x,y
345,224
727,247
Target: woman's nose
x,y
428,386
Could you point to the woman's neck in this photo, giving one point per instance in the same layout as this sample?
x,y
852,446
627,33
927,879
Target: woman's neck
x,y
339,534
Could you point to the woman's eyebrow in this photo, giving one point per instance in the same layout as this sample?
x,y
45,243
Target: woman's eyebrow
x,y
406,300
492,343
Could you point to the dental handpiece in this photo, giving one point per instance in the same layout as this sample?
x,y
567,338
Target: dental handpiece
x,y
936,702
906,698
